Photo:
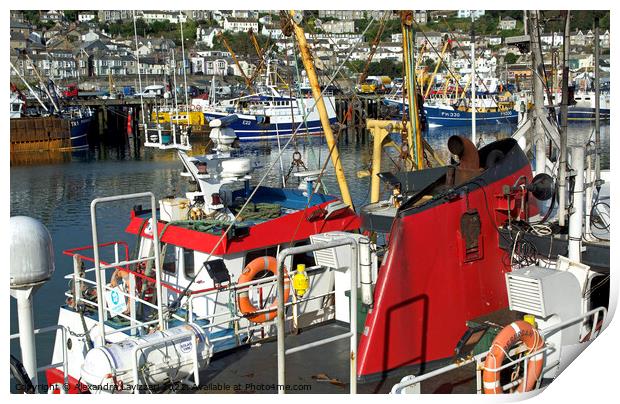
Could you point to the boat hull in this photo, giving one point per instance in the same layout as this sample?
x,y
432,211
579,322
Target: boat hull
x,y
447,117
430,283
584,114
255,127
79,132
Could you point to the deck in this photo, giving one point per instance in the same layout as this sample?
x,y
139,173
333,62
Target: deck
x,y
322,370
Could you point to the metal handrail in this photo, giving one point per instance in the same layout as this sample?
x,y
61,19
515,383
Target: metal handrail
x,y
99,273
352,334
409,381
65,356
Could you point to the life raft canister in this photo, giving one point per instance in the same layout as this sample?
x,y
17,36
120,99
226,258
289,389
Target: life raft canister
x,y
503,342
246,307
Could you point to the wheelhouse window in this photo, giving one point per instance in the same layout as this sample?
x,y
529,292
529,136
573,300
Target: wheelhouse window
x,y
169,264
189,270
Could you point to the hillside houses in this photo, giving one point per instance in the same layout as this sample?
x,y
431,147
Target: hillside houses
x,y
235,24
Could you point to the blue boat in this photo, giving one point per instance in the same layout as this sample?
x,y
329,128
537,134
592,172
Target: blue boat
x,y
80,124
269,115
444,115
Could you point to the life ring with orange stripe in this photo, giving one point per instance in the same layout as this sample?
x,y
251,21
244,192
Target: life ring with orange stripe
x,y
503,342
246,307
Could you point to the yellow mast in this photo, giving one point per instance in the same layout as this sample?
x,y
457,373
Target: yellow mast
x,y
414,133
430,83
306,58
248,82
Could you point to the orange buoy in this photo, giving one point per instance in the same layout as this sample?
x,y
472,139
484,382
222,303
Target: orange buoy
x,y
503,342
246,307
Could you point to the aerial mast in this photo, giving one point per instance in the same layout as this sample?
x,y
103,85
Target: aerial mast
x,y
473,80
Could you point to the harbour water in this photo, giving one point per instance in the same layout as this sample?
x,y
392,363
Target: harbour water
x,y
57,190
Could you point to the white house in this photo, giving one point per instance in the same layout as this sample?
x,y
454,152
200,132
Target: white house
x,y
338,27
468,13
552,39
209,66
234,24
273,31
207,35
85,16
53,16
90,36
507,23
173,17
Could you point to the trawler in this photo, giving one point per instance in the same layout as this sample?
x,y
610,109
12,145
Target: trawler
x,y
273,289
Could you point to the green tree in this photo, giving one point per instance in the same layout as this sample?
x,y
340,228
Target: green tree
x,y
71,15
510,58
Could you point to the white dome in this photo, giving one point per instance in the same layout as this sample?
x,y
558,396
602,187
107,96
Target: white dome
x,y
237,167
32,253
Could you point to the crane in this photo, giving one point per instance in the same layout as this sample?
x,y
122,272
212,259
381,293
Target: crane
x,y
373,48
248,82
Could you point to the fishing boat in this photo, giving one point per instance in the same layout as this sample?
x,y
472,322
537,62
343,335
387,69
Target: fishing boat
x,y
488,111
218,249
442,277
582,108
67,129
453,111
269,114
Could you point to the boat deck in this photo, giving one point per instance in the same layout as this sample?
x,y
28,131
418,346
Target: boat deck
x,y
323,369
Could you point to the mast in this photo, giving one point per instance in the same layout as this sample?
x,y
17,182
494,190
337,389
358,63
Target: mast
x,y
564,128
28,85
174,79
473,80
597,102
414,135
184,73
135,32
306,58
538,138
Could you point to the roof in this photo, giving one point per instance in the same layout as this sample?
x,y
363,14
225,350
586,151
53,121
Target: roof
x,y
508,18
238,19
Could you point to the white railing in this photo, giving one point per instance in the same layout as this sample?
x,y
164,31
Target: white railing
x,y
65,356
178,140
411,384
99,269
280,318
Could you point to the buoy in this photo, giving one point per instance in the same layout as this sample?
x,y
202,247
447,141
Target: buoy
x,y
246,307
504,341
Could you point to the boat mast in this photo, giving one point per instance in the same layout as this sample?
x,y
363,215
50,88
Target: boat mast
x,y
135,33
597,102
306,58
539,99
414,134
184,73
564,127
28,85
473,80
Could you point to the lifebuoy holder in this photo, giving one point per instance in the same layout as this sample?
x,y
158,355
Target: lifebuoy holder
x,y
503,342
257,265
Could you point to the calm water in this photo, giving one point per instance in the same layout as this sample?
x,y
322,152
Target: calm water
x,y
57,188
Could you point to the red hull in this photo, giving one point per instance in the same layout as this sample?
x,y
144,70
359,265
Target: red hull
x,y
427,289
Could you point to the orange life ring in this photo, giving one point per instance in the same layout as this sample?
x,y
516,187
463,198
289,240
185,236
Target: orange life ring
x,y
246,307
517,331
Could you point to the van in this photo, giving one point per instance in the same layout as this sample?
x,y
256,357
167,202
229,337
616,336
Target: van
x,y
375,85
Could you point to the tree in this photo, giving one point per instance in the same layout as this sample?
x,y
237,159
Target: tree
x,y
71,15
510,58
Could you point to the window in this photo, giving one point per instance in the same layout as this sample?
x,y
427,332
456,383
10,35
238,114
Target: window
x,y
169,264
188,264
